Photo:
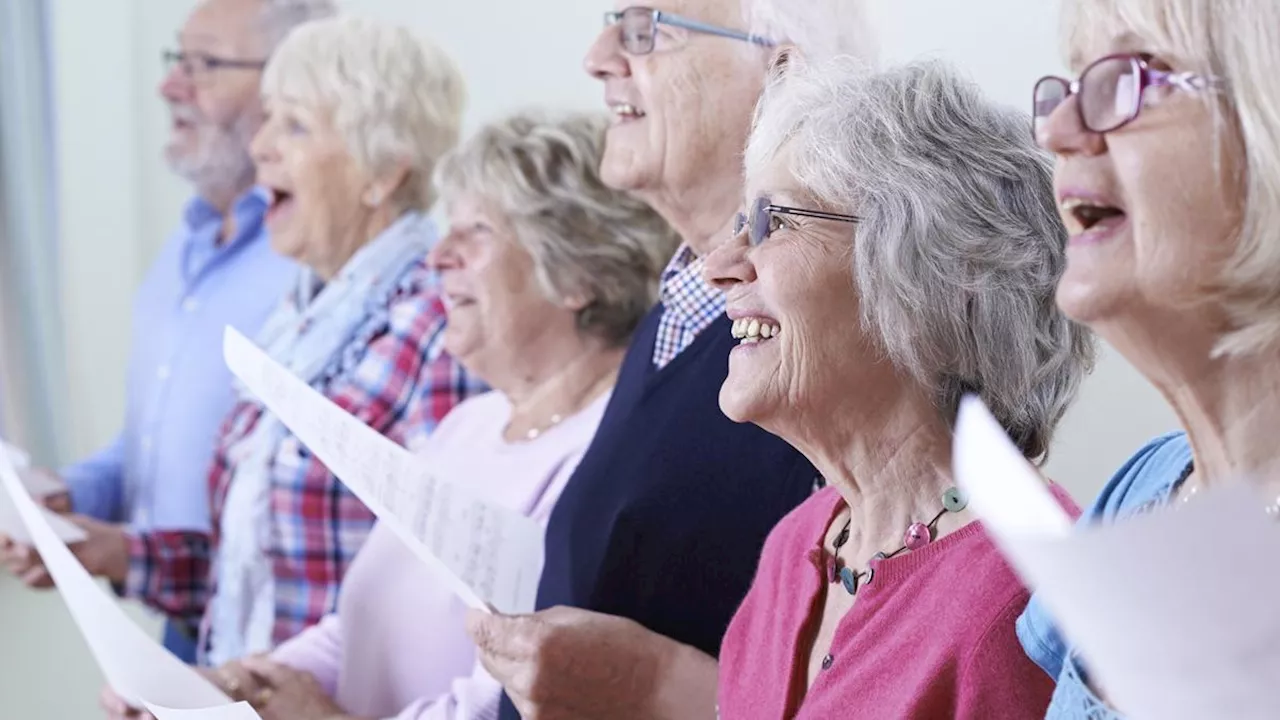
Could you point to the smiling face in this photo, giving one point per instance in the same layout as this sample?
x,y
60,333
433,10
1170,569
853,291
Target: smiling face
x,y
799,284
317,214
682,112
216,113
1152,208
496,308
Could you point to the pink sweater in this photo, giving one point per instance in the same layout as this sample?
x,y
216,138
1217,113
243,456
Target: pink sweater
x,y
931,638
397,646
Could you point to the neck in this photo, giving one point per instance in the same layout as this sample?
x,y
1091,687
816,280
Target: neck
x,y
223,200
702,215
558,382
1229,405
363,232
890,459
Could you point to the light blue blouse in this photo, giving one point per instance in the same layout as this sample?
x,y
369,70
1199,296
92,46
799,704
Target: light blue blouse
x,y
1147,480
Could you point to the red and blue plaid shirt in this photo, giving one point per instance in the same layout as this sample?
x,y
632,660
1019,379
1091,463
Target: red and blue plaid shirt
x,y
398,381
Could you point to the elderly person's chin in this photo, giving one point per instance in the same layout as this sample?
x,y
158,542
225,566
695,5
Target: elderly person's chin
x,y
747,395
1091,293
627,163
1122,279
286,237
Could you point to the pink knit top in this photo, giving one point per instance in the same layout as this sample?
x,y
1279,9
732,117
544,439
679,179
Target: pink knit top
x,y
932,637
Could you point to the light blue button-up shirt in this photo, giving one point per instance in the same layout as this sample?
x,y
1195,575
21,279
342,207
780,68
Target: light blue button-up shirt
x,y
154,475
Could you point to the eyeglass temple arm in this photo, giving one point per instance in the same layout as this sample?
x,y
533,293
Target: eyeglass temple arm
x,y
696,26
819,214
1185,80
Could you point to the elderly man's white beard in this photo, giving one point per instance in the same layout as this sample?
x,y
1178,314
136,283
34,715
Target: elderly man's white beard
x,y
219,163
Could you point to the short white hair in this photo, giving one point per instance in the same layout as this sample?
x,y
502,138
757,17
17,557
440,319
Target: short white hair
x,y
820,29
959,247
395,98
1237,41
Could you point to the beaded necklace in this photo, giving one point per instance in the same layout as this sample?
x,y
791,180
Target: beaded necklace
x,y
918,535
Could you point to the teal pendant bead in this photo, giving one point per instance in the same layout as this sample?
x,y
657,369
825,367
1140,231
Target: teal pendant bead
x,y
849,579
954,500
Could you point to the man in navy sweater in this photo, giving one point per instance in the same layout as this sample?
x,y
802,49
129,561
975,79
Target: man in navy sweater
x,y
656,537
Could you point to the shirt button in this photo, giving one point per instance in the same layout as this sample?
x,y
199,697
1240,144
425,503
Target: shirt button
x,y
146,442
190,305
828,661
162,372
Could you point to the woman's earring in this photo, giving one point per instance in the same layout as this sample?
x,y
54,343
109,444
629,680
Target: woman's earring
x,y
373,198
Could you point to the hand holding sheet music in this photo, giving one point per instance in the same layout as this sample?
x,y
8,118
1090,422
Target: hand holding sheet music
x,y
488,554
1167,610
135,666
38,485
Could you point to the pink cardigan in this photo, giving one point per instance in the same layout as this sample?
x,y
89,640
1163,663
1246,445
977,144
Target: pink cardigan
x,y
932,637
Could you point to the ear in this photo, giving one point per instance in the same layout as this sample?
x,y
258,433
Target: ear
x,y
386,184
576,302
785,58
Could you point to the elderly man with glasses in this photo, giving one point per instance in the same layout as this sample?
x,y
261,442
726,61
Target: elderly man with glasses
x,y
216,270
655,540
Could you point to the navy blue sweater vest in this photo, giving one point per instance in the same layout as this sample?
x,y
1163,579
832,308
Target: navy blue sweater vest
x,y
664,519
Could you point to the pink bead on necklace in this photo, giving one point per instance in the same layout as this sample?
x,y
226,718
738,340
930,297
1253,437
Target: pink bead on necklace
x,y
917,536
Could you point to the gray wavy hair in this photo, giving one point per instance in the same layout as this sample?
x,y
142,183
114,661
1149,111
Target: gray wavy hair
x,y
586,239
960,246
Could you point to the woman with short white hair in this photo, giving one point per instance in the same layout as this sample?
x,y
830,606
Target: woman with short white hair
x,y
1168,178
358,115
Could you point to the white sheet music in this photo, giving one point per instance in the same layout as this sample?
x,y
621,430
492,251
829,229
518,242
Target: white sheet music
x,y
1168,611
38,485
19,457
484,552
11,524
238,711
135,666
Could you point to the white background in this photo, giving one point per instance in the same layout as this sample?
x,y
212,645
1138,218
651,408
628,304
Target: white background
x,y
118,202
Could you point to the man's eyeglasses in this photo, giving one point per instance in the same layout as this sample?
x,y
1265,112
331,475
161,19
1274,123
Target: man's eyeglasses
x,y
196,65
638,27
762,221
1110,92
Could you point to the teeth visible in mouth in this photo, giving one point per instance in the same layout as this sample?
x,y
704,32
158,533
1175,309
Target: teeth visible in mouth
x,y
753,330
625,110
1085,214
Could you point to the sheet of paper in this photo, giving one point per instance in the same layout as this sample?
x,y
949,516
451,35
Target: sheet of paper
x,y
485,552
39,483
136,667
238,711
11,524
1169,610
19,457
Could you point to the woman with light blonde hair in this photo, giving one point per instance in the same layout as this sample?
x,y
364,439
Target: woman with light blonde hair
x,y
1168,179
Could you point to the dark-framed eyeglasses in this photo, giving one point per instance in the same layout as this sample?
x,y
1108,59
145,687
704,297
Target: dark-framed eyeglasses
x,y
1110,92
638,28
197,65
762,220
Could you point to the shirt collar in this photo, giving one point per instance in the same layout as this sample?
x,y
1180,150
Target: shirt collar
x,y
200,212
679,263
685,291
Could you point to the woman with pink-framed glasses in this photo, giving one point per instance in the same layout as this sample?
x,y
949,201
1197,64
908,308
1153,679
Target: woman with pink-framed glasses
x,y
1168,179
